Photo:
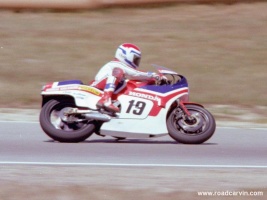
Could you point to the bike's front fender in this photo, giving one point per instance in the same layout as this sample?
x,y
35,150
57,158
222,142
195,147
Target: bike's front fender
x,y
192,103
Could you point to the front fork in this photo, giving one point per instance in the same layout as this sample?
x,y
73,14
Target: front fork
x,y
184,109
187,114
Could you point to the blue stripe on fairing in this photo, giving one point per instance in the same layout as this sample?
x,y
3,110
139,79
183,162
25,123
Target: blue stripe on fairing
x,y
68,82
166,88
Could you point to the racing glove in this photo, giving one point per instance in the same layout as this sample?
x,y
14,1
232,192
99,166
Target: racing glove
x,y
159,77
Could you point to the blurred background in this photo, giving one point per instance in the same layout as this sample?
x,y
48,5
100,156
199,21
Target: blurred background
x,y
220,46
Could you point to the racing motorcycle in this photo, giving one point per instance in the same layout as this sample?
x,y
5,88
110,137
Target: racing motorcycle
x,y
147,109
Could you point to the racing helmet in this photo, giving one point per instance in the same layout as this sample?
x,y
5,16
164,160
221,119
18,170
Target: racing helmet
x,y
129,54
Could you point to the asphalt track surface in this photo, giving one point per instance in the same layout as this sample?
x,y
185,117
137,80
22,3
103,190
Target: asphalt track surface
x,y
26,143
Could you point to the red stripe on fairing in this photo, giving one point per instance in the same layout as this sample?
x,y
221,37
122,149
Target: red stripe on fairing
x,y
163,97
47,86
167,98
156,108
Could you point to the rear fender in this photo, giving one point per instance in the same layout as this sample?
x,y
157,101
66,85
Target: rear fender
x,y
46,98
73,90
80,99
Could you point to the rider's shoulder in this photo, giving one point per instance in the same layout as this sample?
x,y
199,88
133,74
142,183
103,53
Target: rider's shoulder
x,y
117,63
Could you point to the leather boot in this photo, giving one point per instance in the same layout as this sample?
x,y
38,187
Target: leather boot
x,y
106,103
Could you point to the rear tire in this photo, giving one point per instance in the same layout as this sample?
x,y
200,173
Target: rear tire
x,y
191,133
75,132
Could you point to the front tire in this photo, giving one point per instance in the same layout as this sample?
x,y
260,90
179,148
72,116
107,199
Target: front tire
x,y
60,130
196,131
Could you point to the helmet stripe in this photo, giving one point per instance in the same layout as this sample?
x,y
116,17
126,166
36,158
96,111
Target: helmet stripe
x,y
127,45
123,50
132,51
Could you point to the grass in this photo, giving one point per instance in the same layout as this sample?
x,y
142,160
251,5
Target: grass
x,y
74,182
221,49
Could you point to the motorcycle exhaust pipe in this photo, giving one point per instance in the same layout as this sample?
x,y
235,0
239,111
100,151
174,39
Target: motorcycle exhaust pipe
x,y
88,114
97,116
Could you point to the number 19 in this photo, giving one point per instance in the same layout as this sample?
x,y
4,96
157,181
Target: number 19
x,y
138,107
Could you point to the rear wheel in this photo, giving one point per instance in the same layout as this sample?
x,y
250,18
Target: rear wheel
x,y
64,128
194,131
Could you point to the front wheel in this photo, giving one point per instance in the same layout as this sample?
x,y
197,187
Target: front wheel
x,y
60,128
195,131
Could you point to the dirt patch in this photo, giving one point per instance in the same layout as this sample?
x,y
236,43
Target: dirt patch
x,y
61,182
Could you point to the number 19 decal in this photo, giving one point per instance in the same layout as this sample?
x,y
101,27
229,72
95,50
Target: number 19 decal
x,y
136,108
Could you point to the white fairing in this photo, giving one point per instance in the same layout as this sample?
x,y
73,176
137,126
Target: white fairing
x,y
133,120
134,128
84,96
136,124
134,107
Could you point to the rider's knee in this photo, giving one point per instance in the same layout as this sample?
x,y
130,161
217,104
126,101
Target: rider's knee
x,y
118,73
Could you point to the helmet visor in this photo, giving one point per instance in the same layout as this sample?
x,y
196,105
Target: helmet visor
x,y
136,60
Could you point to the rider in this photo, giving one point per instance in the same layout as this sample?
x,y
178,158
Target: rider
x,y
124,65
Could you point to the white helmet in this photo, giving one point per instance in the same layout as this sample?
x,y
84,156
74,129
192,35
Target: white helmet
x,y
129,54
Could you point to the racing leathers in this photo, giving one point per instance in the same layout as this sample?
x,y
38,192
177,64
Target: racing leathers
x,y
110,75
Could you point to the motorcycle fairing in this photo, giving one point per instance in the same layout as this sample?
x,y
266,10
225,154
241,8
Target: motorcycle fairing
x,y
69,82
82,94
163,93
162,89
162,98
144,119
134,128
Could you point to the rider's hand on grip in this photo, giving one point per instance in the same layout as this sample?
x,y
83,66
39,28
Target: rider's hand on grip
x,y
163,78
160,77
156,76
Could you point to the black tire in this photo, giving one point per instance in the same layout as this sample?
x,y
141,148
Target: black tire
x,y
76,135
205,130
